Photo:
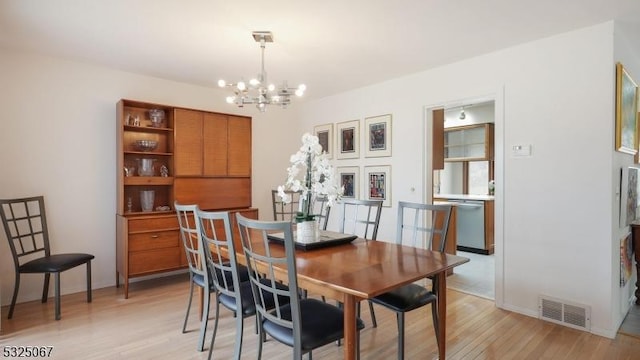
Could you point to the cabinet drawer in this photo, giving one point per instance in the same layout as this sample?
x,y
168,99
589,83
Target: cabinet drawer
x,y
154,240
150,224
154,260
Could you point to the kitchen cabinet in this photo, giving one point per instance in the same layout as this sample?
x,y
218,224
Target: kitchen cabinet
x,y
195,157
469,143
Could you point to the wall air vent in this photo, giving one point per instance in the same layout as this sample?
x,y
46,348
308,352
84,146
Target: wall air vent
x,y
577,316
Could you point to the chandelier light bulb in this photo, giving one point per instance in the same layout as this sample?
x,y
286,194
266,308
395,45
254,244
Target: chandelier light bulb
x,y
302,87
299,92
271,87
230,99
254,82
242,86
222,83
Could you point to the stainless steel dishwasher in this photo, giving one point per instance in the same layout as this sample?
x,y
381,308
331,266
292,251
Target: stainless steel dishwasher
x,y
470,226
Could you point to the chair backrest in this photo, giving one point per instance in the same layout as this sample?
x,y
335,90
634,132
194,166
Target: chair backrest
x,y
219,252
191,240
417,222
361,217
282,211
321,209
264,260
25,224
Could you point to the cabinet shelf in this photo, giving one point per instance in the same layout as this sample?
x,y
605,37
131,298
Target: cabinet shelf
x,y
148,180
137,213
147,129
148,153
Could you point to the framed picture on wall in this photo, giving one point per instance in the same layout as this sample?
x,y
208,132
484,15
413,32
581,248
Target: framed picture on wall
x,y
378,136
626,112
348,140
349,177
325,137
378,183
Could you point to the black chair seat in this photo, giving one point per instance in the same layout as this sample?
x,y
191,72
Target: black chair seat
x,y
406,298
246,296
55,263
243,275
322,323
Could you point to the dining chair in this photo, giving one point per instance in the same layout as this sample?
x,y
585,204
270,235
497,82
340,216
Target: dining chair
x,y
301,323
233,292
417,223
25,224
285,211
362,218
198,274
321,209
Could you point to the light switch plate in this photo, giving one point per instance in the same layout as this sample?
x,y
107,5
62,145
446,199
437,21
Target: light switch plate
x,y
521,150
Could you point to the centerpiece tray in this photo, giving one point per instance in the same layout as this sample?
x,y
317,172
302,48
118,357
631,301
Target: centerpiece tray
x,y
326,239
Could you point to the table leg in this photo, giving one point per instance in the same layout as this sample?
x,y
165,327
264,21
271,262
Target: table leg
x,y
442,313
350,338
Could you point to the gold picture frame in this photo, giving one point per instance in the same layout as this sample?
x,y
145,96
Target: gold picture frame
x,y
626,112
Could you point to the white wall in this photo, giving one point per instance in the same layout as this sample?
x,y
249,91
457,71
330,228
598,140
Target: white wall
x,y
556,216
555,207
58,139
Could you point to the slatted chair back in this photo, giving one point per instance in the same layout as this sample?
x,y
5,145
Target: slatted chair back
x,y
361,217
219,251
418,223
25,224
285,211
190,236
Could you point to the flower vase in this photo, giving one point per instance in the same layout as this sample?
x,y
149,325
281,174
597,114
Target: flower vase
x,y
307,232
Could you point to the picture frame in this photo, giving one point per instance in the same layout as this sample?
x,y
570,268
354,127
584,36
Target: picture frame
x,y
626,259
378,183
378,136
325,137
626,112
349,178
348,140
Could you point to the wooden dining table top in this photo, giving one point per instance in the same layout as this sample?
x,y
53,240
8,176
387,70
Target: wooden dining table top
x,y
364,268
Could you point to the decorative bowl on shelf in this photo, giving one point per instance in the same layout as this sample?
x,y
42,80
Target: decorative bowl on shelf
x,y
146,145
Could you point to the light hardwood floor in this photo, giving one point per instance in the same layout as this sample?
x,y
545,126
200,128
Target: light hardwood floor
x,y
148,326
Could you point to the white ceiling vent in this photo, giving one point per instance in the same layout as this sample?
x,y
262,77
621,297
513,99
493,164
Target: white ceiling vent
x,y
577,316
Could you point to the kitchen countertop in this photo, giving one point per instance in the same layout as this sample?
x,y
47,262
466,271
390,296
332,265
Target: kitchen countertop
x,y
464,197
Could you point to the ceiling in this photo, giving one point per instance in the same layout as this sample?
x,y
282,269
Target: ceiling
x,y
331,46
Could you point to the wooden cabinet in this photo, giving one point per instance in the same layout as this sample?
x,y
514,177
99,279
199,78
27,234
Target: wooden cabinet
x,y
469,143
199,158
211,144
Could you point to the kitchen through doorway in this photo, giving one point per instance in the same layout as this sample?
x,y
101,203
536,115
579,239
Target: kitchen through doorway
x,y
465,179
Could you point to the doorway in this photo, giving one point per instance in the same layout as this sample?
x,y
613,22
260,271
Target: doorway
x,y
461,180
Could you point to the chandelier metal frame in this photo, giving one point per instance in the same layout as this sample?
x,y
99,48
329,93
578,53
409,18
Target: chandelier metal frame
x,y
258,91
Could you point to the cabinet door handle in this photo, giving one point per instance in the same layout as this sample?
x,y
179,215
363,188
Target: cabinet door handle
x,y
155,236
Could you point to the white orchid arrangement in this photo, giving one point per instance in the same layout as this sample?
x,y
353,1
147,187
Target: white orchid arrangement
x,y
311,173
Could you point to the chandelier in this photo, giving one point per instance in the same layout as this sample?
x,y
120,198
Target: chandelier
x,y
258,91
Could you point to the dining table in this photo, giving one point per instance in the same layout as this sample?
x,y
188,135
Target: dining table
x,y
362,269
